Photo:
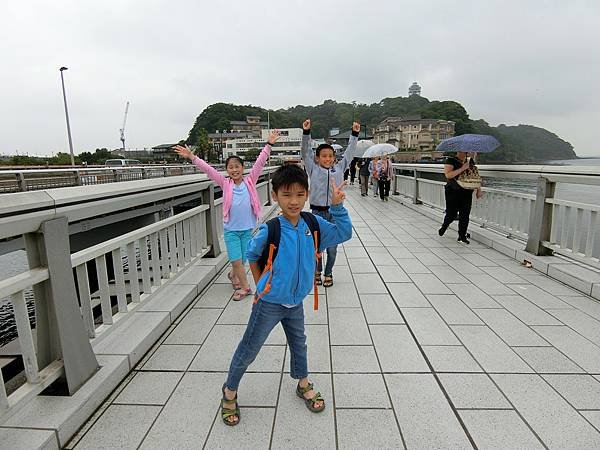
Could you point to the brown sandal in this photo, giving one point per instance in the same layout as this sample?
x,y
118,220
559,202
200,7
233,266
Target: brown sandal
x,y
318,280
310,402
226,413
328,281
241,293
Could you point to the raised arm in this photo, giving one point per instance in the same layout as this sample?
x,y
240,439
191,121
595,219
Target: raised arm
x,y
306,150
264,155
212,173
340,230
351,149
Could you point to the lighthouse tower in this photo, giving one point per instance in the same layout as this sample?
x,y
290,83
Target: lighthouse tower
x,y
414,89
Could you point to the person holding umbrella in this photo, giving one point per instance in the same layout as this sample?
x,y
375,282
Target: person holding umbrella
x,y
458,190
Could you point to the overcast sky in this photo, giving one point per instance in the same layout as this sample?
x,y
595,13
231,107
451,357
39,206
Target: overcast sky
x,y
533,62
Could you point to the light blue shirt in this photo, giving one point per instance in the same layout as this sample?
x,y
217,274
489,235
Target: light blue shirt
x,y
241,215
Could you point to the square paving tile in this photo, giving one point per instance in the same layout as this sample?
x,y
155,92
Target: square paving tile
x,y
253,431
494,429
342,295
428,326
543,409
510,329
396,349
472,296
449,358
363,429
581,391
475,390
293,419
149,388
576,347
347,326
526,311
361,265
354,359
369,283
425,417
171,357
380,308
121,426
429,284
194,327
547,360
373,395
453,311
489,351
407,295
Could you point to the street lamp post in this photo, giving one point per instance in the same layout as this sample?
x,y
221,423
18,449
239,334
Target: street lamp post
x,y
62,79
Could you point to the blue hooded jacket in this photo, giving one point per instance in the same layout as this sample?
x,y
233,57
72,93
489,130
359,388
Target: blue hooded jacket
x,y
294,266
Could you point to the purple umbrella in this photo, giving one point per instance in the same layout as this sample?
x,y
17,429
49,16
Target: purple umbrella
x,y
478,143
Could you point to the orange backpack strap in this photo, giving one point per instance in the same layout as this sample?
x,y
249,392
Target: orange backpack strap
x,y
268,268
317,257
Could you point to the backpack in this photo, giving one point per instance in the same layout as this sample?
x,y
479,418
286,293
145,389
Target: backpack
x,y
269,253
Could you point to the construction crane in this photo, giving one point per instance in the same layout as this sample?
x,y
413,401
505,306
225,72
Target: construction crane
x,y
122,130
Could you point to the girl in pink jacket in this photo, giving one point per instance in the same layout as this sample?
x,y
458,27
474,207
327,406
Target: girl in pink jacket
x,y
241,207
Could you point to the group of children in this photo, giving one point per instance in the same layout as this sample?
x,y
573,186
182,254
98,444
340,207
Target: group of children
x,y
294,264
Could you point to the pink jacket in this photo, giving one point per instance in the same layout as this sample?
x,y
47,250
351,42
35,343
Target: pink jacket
x,y
227,183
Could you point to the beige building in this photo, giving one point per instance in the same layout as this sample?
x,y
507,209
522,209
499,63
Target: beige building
x,y
413,134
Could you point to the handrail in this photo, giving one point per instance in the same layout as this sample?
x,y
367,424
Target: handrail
x,y
548,224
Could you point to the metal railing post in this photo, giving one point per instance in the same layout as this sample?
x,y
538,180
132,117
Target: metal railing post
x,y
21,182
269,188
540,222
212,233
416,200
61,332
77,178
395,184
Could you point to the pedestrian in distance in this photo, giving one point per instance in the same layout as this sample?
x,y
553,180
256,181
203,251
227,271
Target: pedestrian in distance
x,y
321,167
363,173
458,199
353,170
241,207
284,282
383,175
373,180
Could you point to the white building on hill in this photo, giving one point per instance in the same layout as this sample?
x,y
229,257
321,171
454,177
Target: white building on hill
x,y
287,147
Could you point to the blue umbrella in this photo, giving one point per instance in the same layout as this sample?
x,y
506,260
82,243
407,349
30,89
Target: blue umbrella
x,y
479,143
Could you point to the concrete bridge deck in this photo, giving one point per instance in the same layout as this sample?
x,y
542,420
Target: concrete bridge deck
x,y
421,343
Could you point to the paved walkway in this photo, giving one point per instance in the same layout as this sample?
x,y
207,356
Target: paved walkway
x,y
421,343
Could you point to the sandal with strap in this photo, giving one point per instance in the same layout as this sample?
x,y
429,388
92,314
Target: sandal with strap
x,y
318,280
226,413
328,281
241,293
310,402
233,283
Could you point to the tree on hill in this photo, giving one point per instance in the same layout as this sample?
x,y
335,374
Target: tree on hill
x,y
519,143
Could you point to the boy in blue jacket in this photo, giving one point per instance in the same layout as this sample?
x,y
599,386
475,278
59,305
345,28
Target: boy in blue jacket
x,y
291,280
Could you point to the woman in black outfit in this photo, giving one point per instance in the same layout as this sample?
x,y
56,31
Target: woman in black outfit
x,y
458,199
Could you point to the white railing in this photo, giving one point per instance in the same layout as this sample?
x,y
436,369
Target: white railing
x,y
160,251
548,224
36,380
37,179
99,285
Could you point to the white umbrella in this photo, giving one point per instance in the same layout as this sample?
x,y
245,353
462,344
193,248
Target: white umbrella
x,y
337,147
379,150
361,146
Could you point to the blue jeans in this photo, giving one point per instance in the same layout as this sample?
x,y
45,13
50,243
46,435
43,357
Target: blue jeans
x,y
262,320
331,251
